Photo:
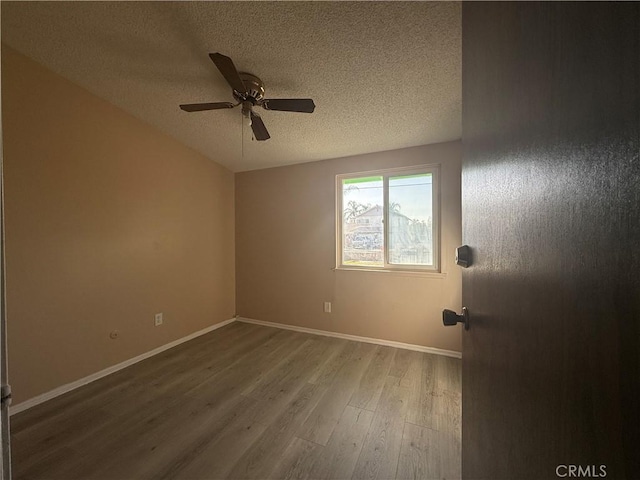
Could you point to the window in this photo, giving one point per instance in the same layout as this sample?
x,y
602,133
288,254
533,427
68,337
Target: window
x,y
388,219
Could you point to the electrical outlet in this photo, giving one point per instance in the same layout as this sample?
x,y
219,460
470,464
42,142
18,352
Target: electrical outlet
x,y
158,319
327,307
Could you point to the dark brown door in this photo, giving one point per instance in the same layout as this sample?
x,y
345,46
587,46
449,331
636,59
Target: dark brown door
x,y
5,390
551,209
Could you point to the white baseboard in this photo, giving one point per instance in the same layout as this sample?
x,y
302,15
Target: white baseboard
x,y
32,402
377,341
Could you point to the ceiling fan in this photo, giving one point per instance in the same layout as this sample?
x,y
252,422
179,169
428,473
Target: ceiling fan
x,y
248,90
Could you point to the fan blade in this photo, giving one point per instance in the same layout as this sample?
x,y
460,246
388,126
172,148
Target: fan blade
x,y
259,130
229,72
199,107
305,105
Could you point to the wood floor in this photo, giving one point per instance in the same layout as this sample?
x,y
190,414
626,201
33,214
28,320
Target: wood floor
x,y
253,402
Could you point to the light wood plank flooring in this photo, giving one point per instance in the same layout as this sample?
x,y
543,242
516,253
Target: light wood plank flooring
x,y
253,402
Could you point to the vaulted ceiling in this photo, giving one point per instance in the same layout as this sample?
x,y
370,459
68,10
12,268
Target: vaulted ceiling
x,y
383,75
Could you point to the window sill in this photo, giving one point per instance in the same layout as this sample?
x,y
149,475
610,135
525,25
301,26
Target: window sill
x,y
409,273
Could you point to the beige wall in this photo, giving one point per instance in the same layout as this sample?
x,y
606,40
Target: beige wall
x,y
108,221
285,254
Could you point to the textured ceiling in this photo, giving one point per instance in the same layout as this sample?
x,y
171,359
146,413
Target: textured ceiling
x,y
383,75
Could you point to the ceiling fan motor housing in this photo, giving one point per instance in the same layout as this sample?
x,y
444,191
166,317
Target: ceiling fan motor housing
x,y
254,86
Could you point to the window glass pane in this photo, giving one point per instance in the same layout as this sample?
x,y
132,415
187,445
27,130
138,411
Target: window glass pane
x,y
362,227
410,220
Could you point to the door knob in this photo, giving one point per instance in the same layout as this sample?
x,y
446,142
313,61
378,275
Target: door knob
x,y
449,318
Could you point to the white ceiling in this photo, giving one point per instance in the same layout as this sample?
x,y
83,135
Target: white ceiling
x,y
383,75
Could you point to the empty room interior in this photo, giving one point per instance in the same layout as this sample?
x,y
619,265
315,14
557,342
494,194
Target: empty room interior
x,y
120,206
232,231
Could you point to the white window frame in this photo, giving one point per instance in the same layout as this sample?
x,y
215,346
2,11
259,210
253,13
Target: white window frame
x,y
434,170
